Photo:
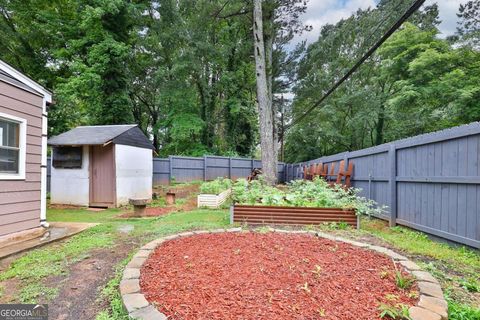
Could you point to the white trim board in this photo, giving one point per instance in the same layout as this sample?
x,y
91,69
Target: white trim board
x,y
22,155
26,80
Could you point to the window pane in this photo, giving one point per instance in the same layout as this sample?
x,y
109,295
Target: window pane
x,y
9,160
67,157
9,132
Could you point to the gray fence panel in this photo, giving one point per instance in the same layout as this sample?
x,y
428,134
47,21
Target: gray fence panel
x,y
429,182
185,169
161,171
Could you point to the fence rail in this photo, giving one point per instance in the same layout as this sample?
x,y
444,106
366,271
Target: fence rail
x,y
429,182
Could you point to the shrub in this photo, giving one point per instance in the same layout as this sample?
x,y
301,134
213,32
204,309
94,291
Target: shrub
x,y
216,186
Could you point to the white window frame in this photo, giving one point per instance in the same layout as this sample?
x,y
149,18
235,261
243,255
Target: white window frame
x,y
22,144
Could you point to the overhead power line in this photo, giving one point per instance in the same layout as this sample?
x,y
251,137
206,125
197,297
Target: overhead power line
x,y
414,7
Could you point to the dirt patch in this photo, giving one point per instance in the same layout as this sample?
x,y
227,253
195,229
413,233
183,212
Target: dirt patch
x,y
151,212
186,200
268,276
79,290
181,190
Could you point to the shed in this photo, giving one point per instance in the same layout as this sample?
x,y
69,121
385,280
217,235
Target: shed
x,y
23,154
101,166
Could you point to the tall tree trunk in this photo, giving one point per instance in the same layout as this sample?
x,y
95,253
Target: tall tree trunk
x,y
265,114
379,134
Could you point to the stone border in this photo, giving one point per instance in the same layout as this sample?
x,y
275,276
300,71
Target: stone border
x,y
431,304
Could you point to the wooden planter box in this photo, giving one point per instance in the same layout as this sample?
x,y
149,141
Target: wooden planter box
x,y
212,200
291,215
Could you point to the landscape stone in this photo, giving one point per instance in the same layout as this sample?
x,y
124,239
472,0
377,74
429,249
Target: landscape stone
x,y
355,243
410,265
424,276
201,231
395,256
234,230
136,262
174,236
142,253
129,286
153,244
134,301
430,289
131,273
148,313
217,230
417,313
434,304
185,234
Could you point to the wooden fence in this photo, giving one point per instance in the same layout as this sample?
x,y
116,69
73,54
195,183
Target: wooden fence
x,y
184,169
429,182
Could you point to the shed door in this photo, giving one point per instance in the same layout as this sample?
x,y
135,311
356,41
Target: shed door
x,y
102,176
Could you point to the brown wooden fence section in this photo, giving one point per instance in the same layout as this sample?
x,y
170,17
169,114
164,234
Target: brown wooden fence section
x,y
291,215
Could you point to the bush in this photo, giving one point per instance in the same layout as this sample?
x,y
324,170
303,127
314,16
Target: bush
x,y
216,186
302,193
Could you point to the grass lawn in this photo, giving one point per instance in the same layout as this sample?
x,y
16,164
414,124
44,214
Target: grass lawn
x,y
33,272
457,268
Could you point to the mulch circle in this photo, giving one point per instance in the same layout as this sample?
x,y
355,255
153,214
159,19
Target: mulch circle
x,y
268,276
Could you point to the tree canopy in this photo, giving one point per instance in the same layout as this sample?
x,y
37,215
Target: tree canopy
x,y
184,71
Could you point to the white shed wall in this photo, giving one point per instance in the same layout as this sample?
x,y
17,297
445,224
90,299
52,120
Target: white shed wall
x,y
71,186
134,169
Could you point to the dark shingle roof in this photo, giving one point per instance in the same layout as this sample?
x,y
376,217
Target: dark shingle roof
x,y
89,135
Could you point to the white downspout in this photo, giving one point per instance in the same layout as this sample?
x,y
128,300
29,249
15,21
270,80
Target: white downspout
x,y
43,188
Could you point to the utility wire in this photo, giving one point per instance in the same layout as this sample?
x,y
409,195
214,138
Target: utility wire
x,y
414,7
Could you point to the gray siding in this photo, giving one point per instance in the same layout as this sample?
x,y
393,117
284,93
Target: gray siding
x,y
430,182
20,199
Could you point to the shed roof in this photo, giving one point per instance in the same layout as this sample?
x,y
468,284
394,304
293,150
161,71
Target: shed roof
x,y
128,134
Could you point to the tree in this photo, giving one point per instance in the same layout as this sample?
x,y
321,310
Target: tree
x,y
468,30
265,113
358,114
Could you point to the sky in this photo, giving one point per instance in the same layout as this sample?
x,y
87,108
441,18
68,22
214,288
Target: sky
x,y
321,12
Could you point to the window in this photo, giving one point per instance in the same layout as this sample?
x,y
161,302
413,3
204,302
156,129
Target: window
x,y
67,157
12,147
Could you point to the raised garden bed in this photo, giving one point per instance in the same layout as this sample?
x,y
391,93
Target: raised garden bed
x,y
213,200
276,215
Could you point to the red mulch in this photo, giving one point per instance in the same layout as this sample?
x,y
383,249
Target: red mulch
x,y
263,276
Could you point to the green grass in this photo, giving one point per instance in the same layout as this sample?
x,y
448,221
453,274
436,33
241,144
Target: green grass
x,y
54,260
111,294
420,244
32,292
33,268
456,267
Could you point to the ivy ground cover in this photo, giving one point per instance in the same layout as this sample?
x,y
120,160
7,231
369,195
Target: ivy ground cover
x,y
269,276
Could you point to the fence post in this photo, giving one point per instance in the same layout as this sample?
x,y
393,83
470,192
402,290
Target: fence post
x,y
170,169
205,168
229,167
393,185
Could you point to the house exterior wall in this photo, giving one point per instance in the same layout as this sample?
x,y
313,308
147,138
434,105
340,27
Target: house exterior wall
x,y
20,200
134,169
71,186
